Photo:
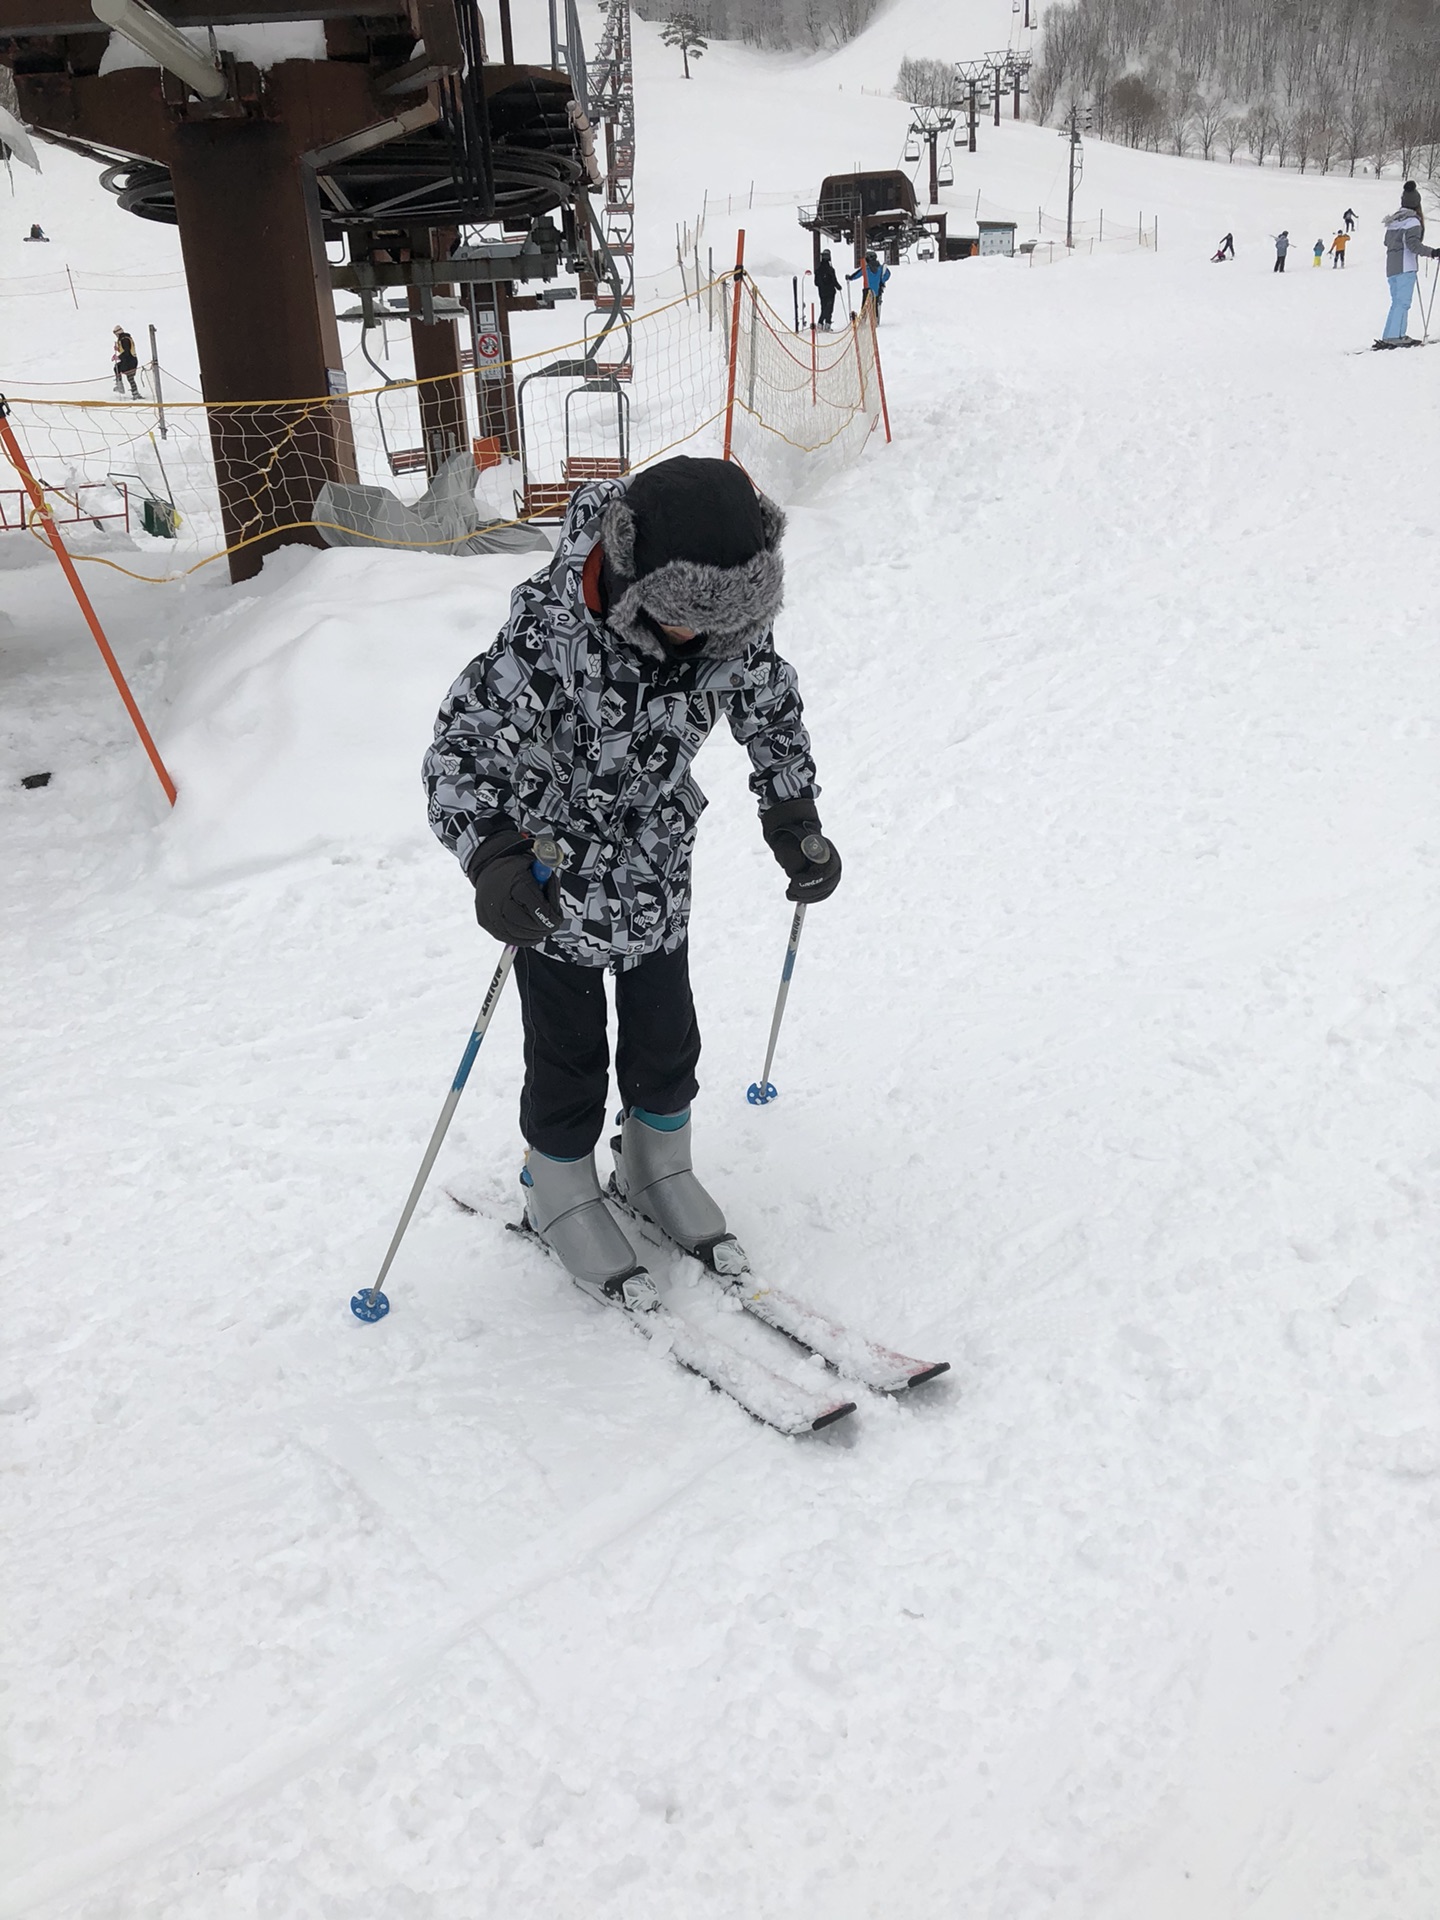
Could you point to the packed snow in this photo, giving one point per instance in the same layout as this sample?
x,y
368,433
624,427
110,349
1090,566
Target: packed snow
x,y
1108,1074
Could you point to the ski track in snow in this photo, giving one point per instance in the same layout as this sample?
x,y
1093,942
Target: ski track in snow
x,y
1108,1074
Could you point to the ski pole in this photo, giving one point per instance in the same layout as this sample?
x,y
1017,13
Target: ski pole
x,y
1427,311
760,1093
370,1303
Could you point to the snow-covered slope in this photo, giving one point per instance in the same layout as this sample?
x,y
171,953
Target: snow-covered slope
x,y
1109,1073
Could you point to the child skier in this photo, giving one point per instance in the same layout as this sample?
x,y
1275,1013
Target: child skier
x,y
1319,259
580,724
1337,249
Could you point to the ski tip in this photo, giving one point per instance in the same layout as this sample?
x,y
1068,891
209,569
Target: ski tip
x,y
919,1378
370,1305
831,1415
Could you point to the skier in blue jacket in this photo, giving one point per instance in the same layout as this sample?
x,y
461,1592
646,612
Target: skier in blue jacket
x,y
875,278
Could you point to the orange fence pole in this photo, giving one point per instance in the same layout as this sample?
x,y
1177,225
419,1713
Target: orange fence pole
x,y
879,373
47,520
734,339
814,370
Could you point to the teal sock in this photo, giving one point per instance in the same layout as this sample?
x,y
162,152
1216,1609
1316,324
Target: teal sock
x,y
661,1122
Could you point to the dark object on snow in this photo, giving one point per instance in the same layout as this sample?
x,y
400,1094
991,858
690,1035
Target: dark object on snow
x,y
791,830
35,780
510,903
159,518
38,233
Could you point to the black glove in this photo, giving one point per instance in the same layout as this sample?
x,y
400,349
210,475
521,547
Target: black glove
x,y
786,828
510,903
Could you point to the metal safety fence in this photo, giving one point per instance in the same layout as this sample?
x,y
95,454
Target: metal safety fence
x,y
453,464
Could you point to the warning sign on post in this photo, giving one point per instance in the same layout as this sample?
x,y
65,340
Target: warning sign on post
x,y
488,350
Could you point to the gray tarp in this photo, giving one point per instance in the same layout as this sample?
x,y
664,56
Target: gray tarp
x,y
445,519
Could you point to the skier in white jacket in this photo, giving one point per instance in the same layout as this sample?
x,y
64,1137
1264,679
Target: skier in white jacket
x,y
1404,249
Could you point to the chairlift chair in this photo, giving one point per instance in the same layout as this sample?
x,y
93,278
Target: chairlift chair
x,y
912,147
548,499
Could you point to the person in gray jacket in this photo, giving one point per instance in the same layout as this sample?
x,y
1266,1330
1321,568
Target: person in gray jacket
x,y
1282,247
652,621
1404,249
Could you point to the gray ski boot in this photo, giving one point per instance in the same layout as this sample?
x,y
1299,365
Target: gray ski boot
x,y
653,1175
564,1206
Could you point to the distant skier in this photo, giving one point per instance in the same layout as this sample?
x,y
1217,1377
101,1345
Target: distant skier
x,y
1319,259
1404,249
875,279
1226,248
124,362
827,285
1337,250
37,232
1349,218
651,622
1282,247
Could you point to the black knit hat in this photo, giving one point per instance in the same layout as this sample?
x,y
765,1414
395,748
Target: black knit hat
x,y
691,543
1410,197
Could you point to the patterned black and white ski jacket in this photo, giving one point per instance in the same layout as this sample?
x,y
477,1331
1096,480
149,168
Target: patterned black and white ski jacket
x,y
565,728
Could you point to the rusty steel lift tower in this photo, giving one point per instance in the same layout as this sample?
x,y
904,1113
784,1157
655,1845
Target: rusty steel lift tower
x,y
399,136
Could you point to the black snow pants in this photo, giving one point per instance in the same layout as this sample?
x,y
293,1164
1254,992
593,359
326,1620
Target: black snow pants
x,y
827,308
567,1058
1279,263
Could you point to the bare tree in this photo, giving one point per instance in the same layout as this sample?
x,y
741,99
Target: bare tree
x,y
1209,118
1283,127
1260,131
926,83
1179,114
1357,128
1303,135
1136,109
1232,135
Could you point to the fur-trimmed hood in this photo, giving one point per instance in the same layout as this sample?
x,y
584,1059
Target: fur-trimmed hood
x,y
729,606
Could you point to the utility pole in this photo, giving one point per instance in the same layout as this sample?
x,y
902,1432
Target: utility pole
x,y
1072,134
